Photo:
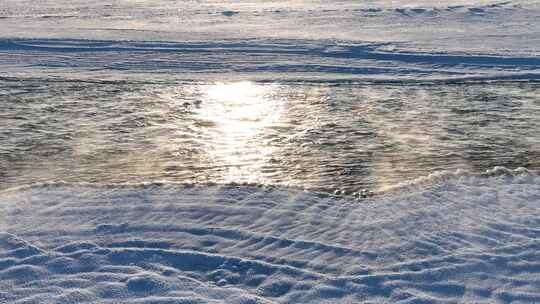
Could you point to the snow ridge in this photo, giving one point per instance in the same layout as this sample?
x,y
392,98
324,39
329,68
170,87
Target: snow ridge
x,y
266,59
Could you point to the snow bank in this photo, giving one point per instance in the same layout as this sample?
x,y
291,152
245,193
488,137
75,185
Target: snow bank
x,y
462,238
374,40
277,60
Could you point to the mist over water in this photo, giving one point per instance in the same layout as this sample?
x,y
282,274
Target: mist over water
x,y
312,135
319,95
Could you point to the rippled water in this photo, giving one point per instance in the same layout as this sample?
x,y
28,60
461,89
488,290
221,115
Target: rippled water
x,y
310,135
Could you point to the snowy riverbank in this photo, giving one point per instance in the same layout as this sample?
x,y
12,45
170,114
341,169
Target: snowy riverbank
x,y
458,239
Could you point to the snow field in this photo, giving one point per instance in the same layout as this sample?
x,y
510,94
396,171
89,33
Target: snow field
x,y
462,239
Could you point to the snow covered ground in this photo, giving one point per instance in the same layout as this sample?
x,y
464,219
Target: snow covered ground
x,y
277,40
445,26
455,239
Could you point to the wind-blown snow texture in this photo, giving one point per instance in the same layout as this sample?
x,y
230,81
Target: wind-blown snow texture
x,y
466,239
277,40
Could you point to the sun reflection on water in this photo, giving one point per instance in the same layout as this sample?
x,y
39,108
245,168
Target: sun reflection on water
x,y
312,135
238,114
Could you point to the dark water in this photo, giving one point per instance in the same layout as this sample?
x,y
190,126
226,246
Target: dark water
x,y
308,135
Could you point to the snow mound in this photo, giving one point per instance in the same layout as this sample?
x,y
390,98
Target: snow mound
x,y
463,239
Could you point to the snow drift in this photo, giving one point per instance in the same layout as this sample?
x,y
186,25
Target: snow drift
x,y
459,238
